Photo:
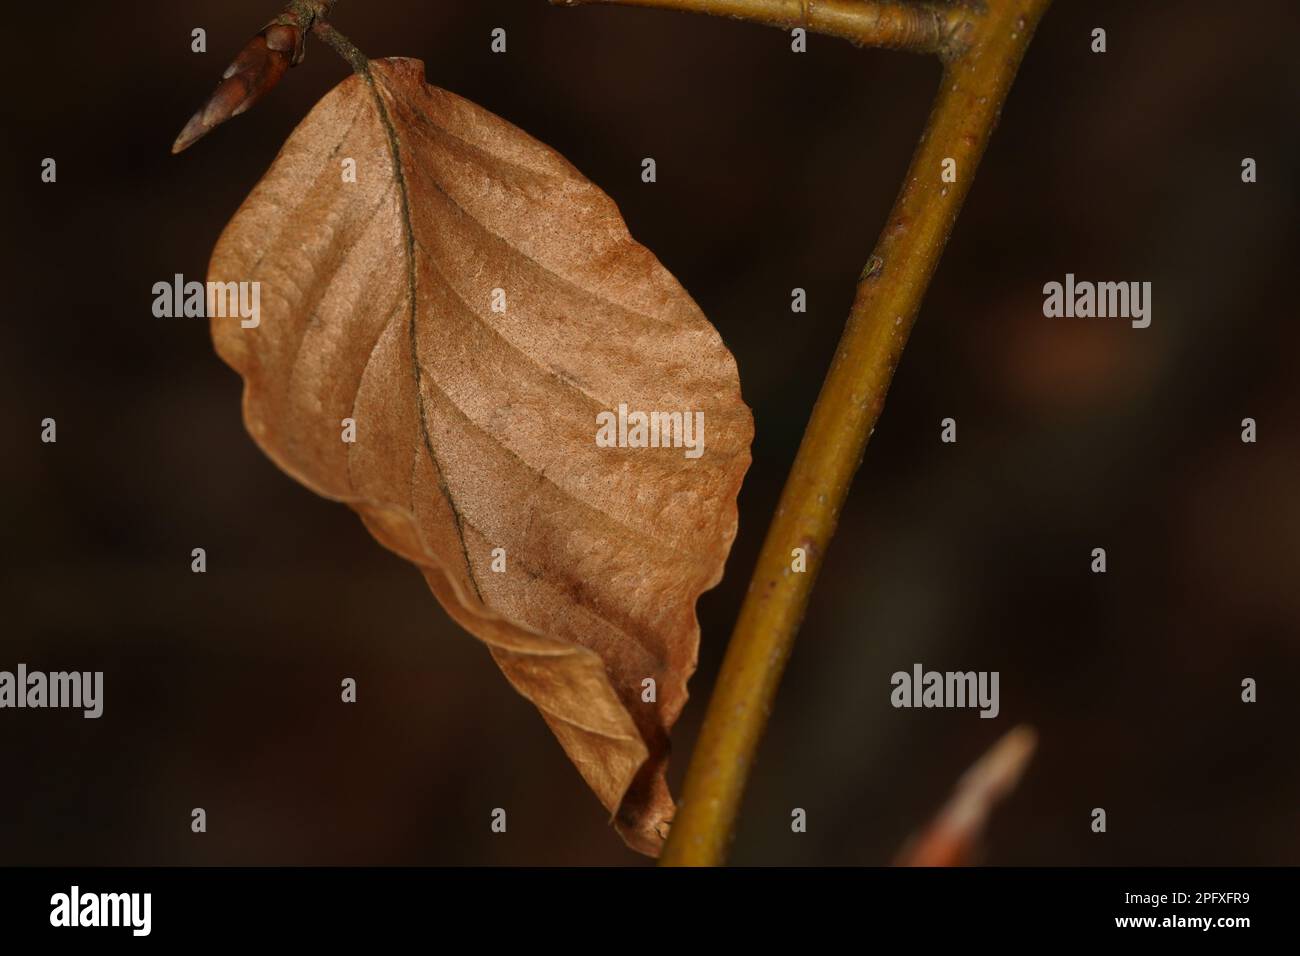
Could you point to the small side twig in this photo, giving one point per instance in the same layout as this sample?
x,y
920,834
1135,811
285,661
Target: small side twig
x,y
920,26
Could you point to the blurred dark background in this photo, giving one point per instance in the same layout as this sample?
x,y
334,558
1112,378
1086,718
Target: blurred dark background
x,y
776,170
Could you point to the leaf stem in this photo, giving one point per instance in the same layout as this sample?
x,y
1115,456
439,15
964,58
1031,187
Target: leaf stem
x,y
325,31
975,83
921,26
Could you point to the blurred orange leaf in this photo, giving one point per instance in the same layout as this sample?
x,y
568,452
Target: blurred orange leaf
x,y
952,837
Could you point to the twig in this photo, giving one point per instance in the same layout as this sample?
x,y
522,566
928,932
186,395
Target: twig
x,y
921,26
978,74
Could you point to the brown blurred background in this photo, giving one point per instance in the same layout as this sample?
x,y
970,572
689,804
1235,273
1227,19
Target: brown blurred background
x,y
775,170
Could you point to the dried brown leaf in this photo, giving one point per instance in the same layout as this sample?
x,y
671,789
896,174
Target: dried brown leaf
x,y
475,429
952,836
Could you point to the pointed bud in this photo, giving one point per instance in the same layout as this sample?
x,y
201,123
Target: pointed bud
x,y
255,72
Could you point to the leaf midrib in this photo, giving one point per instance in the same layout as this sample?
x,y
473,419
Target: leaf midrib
x,y
408,229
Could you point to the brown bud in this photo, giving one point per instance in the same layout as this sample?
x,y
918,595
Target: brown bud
x,y
254,73
285,38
